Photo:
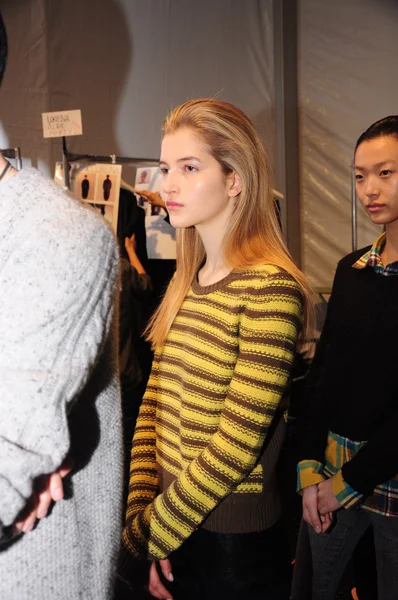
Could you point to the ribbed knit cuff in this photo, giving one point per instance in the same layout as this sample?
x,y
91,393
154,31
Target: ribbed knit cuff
x,y
131,569
344,493
309,472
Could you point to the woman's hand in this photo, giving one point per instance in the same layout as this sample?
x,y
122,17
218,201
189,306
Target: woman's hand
x,y
156,587
327,501
154,198
320,523
130,244
49,489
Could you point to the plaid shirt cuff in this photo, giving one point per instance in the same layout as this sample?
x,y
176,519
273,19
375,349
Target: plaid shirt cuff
x,y
309,472
344,493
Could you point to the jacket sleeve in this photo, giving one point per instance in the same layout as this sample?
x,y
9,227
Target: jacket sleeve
x,y
56,307
377,461
269,328
313,418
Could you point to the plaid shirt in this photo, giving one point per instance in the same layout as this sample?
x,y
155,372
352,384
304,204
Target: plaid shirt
x,y
372,258
339,450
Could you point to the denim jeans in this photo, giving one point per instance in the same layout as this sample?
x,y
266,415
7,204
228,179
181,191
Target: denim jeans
x,y
332,550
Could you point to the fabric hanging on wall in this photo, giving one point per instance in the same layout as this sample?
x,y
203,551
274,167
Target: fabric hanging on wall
x,y
347,66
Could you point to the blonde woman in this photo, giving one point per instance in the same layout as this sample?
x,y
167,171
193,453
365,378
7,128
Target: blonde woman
x,y
203,503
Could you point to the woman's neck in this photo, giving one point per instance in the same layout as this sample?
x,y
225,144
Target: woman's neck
x,y
390,250
216,266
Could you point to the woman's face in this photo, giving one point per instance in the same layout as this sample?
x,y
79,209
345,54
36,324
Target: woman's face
x,y
197,193
376,174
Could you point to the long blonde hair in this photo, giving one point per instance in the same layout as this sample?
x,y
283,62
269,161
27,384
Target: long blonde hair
x,y
254,235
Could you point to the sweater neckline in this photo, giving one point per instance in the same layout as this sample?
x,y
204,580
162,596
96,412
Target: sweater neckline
x,y
207,289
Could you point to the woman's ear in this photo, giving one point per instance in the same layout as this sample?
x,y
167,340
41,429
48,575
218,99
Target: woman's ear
x,y
234,185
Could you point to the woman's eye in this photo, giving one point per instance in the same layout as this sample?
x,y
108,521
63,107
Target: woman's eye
x,y
190,168
164,171
385,172
358,177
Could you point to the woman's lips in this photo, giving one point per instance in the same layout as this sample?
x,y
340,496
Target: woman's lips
x,y
173,205
374,207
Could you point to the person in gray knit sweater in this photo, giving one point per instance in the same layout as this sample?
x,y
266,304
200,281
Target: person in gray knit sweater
x,y
59,392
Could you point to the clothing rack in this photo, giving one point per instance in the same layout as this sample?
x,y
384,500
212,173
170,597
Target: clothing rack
x,y
15,154
69,157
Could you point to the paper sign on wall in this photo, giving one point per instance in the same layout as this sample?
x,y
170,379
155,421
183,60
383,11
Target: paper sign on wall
x,y
62,123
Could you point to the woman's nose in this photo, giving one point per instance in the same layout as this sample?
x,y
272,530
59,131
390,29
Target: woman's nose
x,y
170,182
371,187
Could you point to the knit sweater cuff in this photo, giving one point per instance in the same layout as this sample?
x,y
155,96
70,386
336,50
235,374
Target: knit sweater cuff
x,y
344,493
309,472
130,569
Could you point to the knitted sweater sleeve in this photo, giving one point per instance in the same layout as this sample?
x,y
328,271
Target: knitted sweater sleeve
x,y
313,421
143,471
268,331
56,307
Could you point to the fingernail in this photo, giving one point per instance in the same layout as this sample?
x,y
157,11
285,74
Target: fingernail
x,y
58,494
171,578
318,528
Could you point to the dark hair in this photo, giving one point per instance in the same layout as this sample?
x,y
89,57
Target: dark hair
x,y
3,48
387,127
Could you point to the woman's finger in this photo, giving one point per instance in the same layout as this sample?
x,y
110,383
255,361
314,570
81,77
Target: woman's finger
x,y
56,486
165,565
43,504
156,587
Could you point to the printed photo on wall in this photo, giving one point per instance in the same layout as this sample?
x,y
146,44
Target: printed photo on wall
x,y
99,185
161,240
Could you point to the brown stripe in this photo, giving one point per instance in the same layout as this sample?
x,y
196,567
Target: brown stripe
x,y
274,340
218,475
168,460
200,427
255,428
193,388
190,369
168,443
266,385
223,301
233,441
176,512
202,334
277,315
143,492
276,364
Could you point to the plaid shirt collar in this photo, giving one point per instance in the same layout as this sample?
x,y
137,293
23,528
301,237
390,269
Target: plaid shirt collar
x,y
372,258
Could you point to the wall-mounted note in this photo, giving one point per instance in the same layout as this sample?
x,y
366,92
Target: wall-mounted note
x,y
62,123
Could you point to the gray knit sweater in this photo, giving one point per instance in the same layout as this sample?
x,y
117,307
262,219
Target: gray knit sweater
x,y
59,391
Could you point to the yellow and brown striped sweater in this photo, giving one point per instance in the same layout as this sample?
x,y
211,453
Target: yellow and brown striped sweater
x,y
200,455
